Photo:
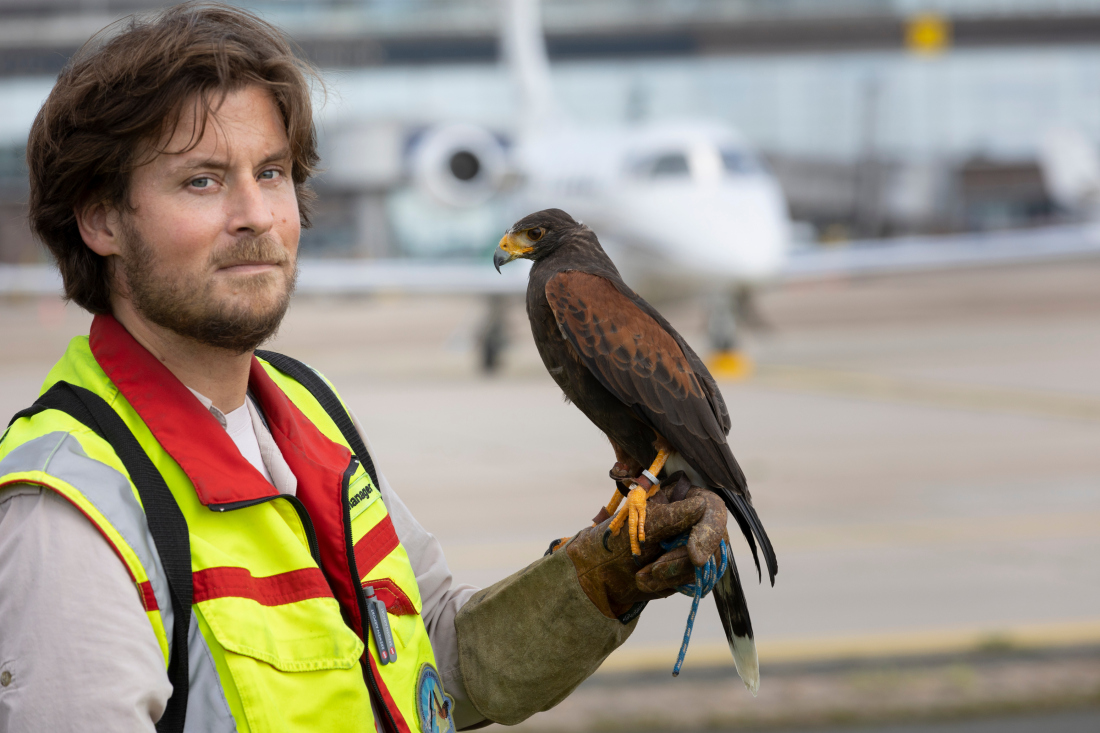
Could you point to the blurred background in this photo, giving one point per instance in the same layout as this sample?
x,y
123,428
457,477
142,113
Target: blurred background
x,y
876,218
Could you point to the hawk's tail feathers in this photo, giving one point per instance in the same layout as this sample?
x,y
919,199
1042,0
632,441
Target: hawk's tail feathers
x,y
750,525
734,612
747,531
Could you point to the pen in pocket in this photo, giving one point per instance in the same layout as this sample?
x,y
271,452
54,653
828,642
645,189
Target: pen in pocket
x,y
376,621
386,630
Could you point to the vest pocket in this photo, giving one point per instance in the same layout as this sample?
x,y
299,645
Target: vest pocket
x,y
295,637
294,665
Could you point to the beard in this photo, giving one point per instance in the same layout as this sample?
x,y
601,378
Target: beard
x,y
188,304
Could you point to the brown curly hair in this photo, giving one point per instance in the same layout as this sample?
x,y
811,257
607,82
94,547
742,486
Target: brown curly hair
x,y
124,92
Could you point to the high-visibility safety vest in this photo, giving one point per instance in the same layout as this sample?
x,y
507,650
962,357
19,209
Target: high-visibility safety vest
x,y
277,639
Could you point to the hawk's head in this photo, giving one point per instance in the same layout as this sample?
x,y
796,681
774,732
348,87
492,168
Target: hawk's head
x,y
535,236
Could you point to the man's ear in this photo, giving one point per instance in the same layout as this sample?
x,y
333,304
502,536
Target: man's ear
x,y
100,228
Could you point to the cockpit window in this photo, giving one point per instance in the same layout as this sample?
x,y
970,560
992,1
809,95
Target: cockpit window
x,y
664,165
675,164
740,162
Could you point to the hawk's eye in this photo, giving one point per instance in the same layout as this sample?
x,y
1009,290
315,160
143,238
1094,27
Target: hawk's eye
x,y
535,234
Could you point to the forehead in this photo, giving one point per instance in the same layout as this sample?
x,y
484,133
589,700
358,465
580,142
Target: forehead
x,y
245,122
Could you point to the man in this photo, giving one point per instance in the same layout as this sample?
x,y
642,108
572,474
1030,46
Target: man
x,y
188,533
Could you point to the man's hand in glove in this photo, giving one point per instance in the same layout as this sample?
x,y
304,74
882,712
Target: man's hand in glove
x,y
611,578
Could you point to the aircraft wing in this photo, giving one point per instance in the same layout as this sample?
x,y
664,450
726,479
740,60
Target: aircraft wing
x,y
942,252
337,277
29,280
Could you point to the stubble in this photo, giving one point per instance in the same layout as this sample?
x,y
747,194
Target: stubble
x,y
188,304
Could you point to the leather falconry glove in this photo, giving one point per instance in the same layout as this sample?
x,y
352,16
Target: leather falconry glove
x,y
612,579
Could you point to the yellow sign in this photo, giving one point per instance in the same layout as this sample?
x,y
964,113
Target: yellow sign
x,y
928,33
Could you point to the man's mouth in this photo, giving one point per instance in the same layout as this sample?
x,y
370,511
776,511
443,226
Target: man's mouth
x,y
247,267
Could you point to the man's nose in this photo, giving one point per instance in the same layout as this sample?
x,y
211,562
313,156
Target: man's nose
x,y
250,211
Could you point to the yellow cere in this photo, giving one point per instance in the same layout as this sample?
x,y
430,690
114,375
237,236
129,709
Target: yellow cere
x,y
510,243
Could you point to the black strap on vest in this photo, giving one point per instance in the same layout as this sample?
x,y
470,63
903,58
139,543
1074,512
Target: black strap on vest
x,y
166,523
324,395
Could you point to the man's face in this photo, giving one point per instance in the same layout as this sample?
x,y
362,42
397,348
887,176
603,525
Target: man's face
x,y
209,249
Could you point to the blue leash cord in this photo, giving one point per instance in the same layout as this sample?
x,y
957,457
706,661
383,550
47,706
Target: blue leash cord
x,y
705,579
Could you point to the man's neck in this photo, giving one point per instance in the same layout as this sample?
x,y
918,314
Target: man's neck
x,y
220,375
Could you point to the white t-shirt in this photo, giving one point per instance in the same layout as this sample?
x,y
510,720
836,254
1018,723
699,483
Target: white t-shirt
x,y
240,424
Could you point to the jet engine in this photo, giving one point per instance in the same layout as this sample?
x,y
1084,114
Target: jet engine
x,y
459,165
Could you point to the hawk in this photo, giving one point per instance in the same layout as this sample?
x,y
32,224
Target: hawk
x,y
628,370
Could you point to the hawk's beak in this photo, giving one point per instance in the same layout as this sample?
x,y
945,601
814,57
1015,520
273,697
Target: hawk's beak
x,y
510,248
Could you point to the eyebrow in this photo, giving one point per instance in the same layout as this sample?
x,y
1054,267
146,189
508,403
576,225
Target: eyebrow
x,y
218,164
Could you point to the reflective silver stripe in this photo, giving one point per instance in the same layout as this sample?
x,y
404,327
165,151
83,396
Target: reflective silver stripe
x,y
207,710
61,455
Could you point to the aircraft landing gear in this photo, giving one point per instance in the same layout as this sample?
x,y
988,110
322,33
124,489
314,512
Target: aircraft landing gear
x,y
744,305
493,337
722,323
726,360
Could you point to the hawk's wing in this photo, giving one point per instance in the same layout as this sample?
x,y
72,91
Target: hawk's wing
x,y
705,379
641,363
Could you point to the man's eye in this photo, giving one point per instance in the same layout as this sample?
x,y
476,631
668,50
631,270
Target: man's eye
x,y
269,175
201,182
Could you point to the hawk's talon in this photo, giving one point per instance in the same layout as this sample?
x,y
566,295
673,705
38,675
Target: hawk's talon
x,y
606,534
633,512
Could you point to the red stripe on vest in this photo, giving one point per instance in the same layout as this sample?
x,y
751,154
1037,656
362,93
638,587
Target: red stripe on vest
x,y
387,698
395,599
273,590
375,545
147,596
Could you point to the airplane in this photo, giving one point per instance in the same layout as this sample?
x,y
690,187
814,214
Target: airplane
x,y
683,208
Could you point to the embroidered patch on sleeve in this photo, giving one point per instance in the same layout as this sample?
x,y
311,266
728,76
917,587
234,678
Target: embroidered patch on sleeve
x,y
433,705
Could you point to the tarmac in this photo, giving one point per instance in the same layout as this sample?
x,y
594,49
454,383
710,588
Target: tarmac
x,y
1077,721
924,451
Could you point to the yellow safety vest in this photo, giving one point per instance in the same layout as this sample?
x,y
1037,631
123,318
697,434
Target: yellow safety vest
x,y
278,639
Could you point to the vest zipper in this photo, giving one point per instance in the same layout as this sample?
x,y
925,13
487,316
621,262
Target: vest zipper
x,y
299,507
360,599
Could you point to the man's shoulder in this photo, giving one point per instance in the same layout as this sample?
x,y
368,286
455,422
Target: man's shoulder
x,y
286,369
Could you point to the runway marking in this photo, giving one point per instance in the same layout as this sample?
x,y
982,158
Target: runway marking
x,y
957,396
884,645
